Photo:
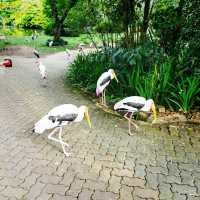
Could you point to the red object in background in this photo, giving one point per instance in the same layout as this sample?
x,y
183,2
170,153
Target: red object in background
x,y
7,62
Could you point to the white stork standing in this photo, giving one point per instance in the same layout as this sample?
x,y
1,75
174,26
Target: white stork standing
x,y
36,53
42,69
50,43
40,65
60,116
134,104
103,82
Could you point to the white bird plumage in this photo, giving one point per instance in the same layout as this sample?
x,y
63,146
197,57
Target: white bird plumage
x,y
42,69
135,104
61,116
102,82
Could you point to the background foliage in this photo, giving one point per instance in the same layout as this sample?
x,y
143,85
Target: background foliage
x,y
155,51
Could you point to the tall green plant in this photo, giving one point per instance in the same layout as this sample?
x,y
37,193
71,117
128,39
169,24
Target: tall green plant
x,y
185,93
147,84
165,78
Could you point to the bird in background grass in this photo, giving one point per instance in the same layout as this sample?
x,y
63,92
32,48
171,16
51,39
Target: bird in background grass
x,y
133,105
103,82
59,117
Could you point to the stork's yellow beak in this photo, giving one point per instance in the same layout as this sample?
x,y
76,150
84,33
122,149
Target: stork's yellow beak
x,y
115,77
153,108
88,118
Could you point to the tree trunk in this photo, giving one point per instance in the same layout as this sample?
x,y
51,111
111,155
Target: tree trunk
x,y
146,18
59,17
57,31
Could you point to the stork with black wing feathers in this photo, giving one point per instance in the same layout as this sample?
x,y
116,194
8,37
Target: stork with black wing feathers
x,y
103,82
135,104
61,116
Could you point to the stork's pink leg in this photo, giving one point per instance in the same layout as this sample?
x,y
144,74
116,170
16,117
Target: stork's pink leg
x,y
62,143
130,122
105,98
50,137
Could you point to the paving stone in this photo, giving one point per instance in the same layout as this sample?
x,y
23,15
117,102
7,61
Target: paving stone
x,y
140,171
95,185
169,179
197,184
50,179
114,184
178,196
133,182
105,174
56,189
121,156
122,172
60,197
104,195
126,193
129,163
187,178
13,192
68,179
2,187
88,175
35,190
192,197
173,169
77,184
43,195
165,191
110,164
158,170
29,181
152,180
184,189
14,182
146,193
3,197
85,194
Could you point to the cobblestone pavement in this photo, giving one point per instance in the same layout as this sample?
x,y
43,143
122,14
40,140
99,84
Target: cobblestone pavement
x,y
106,163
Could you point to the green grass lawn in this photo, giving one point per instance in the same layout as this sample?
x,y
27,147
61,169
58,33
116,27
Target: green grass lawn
x,y
2,44
40,42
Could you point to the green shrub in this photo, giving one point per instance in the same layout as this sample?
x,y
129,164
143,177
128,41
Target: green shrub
x,y
2,44
138,74
185,93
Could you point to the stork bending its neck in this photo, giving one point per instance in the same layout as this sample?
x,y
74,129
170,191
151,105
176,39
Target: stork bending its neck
x,y
134,104
61,116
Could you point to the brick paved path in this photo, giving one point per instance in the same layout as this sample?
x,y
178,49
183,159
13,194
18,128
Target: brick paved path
x,y
105,163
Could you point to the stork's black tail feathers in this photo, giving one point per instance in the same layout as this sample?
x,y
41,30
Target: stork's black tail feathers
x,y
36,53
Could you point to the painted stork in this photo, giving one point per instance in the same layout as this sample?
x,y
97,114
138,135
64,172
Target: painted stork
x,y
134,104
36,53
103,82
42,69
51,43
80,47
60,116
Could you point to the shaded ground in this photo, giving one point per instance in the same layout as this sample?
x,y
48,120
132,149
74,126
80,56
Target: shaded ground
x,y
25,51
105,163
